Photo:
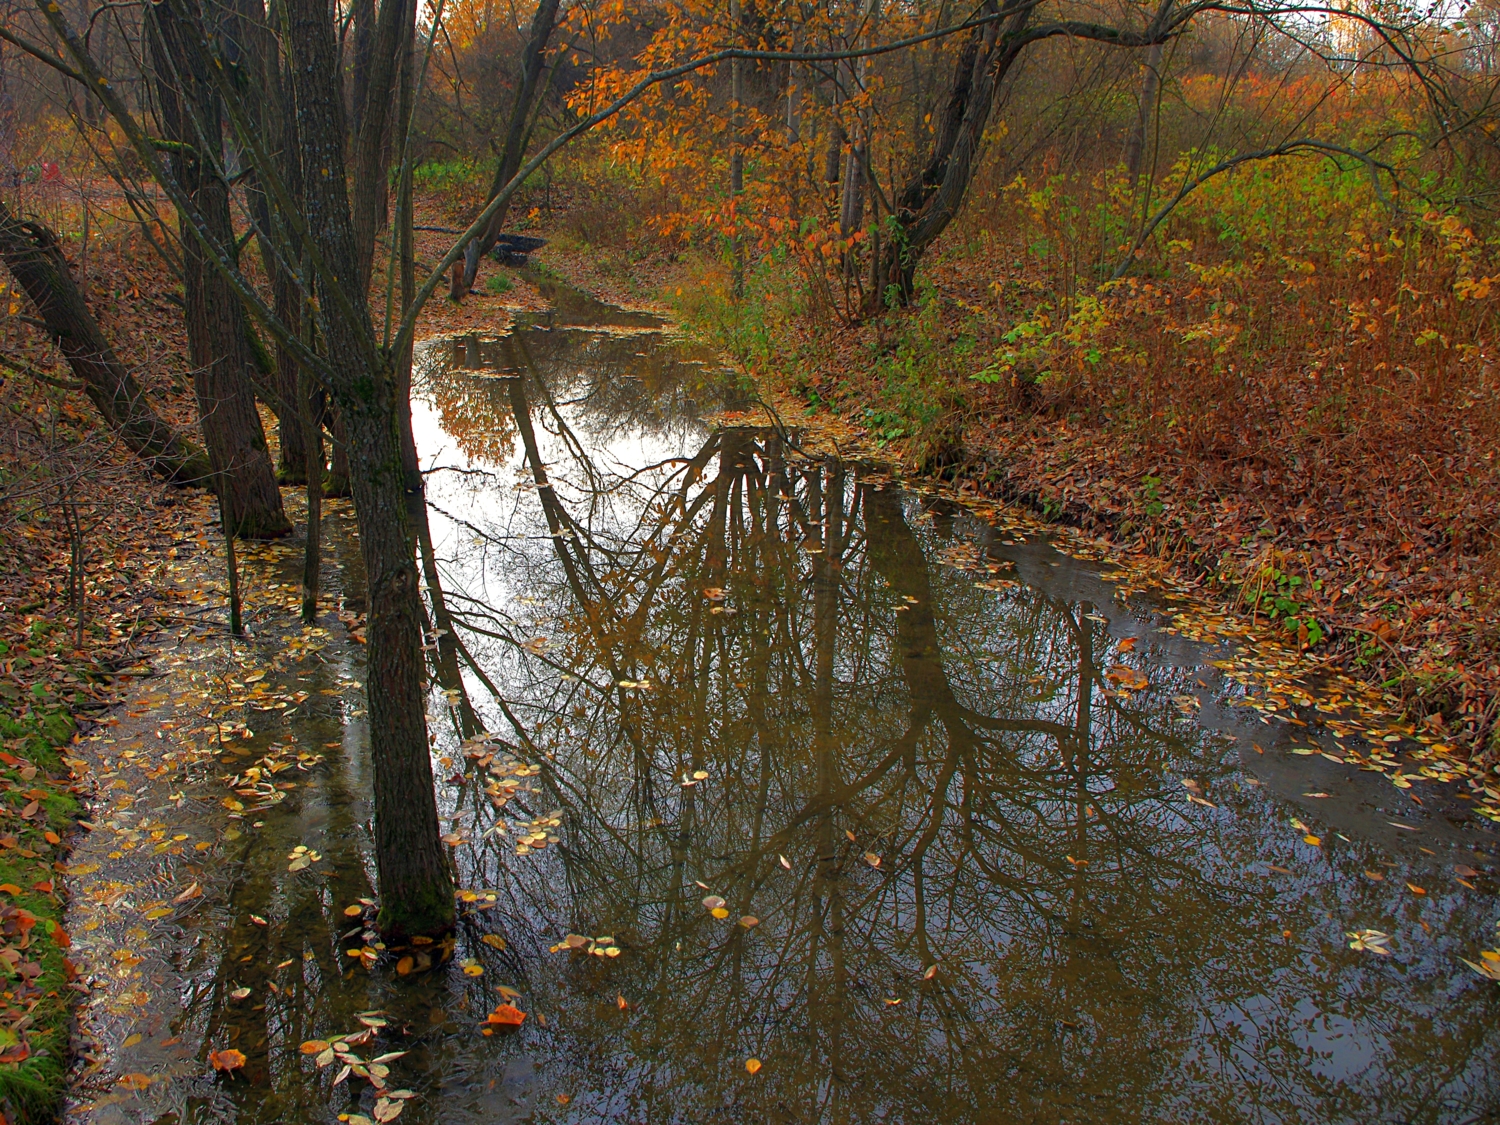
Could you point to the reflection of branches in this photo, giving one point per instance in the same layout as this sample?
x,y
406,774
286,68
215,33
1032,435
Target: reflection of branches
x,y
805,654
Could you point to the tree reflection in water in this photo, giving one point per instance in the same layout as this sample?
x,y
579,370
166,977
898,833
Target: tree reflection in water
x,y
638,600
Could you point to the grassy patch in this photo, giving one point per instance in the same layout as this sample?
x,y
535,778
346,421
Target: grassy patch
x,y
36,812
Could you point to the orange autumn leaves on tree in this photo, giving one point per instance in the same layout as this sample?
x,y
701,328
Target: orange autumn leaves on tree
x,y
681,134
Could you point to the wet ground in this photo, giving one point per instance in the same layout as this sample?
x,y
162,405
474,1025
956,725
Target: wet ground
x,y
777,794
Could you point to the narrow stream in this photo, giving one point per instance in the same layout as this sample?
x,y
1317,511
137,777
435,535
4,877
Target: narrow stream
x,y
748,756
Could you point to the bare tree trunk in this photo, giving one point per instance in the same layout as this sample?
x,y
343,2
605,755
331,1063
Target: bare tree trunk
x,y
416,884
214,317
517,133
737,151
371,152
1135,146
34,258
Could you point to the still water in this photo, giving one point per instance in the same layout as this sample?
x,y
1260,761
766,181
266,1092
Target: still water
x,y
751,755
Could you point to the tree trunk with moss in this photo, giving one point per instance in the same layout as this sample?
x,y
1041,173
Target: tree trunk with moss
x,y
416,883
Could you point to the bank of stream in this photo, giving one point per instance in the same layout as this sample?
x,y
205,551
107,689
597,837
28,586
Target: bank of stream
x,y
775,793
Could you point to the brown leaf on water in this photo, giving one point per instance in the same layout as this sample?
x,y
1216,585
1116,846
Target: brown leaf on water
x,y
1465,870
1376,875
404,965
314,1047
135,1081
193,891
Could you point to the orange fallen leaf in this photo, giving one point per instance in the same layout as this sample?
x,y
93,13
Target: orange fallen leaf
x,y
314,1047
622,1003
404,966
135,1081
752,1065
10,888
930,973
227,1060
506,1015
1416,890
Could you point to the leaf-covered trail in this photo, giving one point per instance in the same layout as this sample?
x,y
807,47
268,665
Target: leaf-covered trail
x,y
215,733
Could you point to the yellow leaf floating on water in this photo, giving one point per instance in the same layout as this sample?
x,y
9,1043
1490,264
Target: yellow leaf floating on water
x,y
752,1065
353,910
1313,840
494,941
404,966
314,1047
872,859
719,912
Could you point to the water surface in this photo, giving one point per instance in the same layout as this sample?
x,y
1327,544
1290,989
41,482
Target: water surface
x,y
830,776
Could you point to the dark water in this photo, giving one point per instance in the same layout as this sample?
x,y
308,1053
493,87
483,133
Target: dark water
x,y
961,880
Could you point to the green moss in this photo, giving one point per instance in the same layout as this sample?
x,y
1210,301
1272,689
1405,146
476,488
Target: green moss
x,y
31,1091
428,914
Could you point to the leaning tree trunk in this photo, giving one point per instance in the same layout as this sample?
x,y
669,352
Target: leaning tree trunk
x,y
34,258
517,134
214,317
416,883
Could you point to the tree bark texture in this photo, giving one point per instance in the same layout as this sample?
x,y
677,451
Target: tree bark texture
x,y
416,885
34,258
215,320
